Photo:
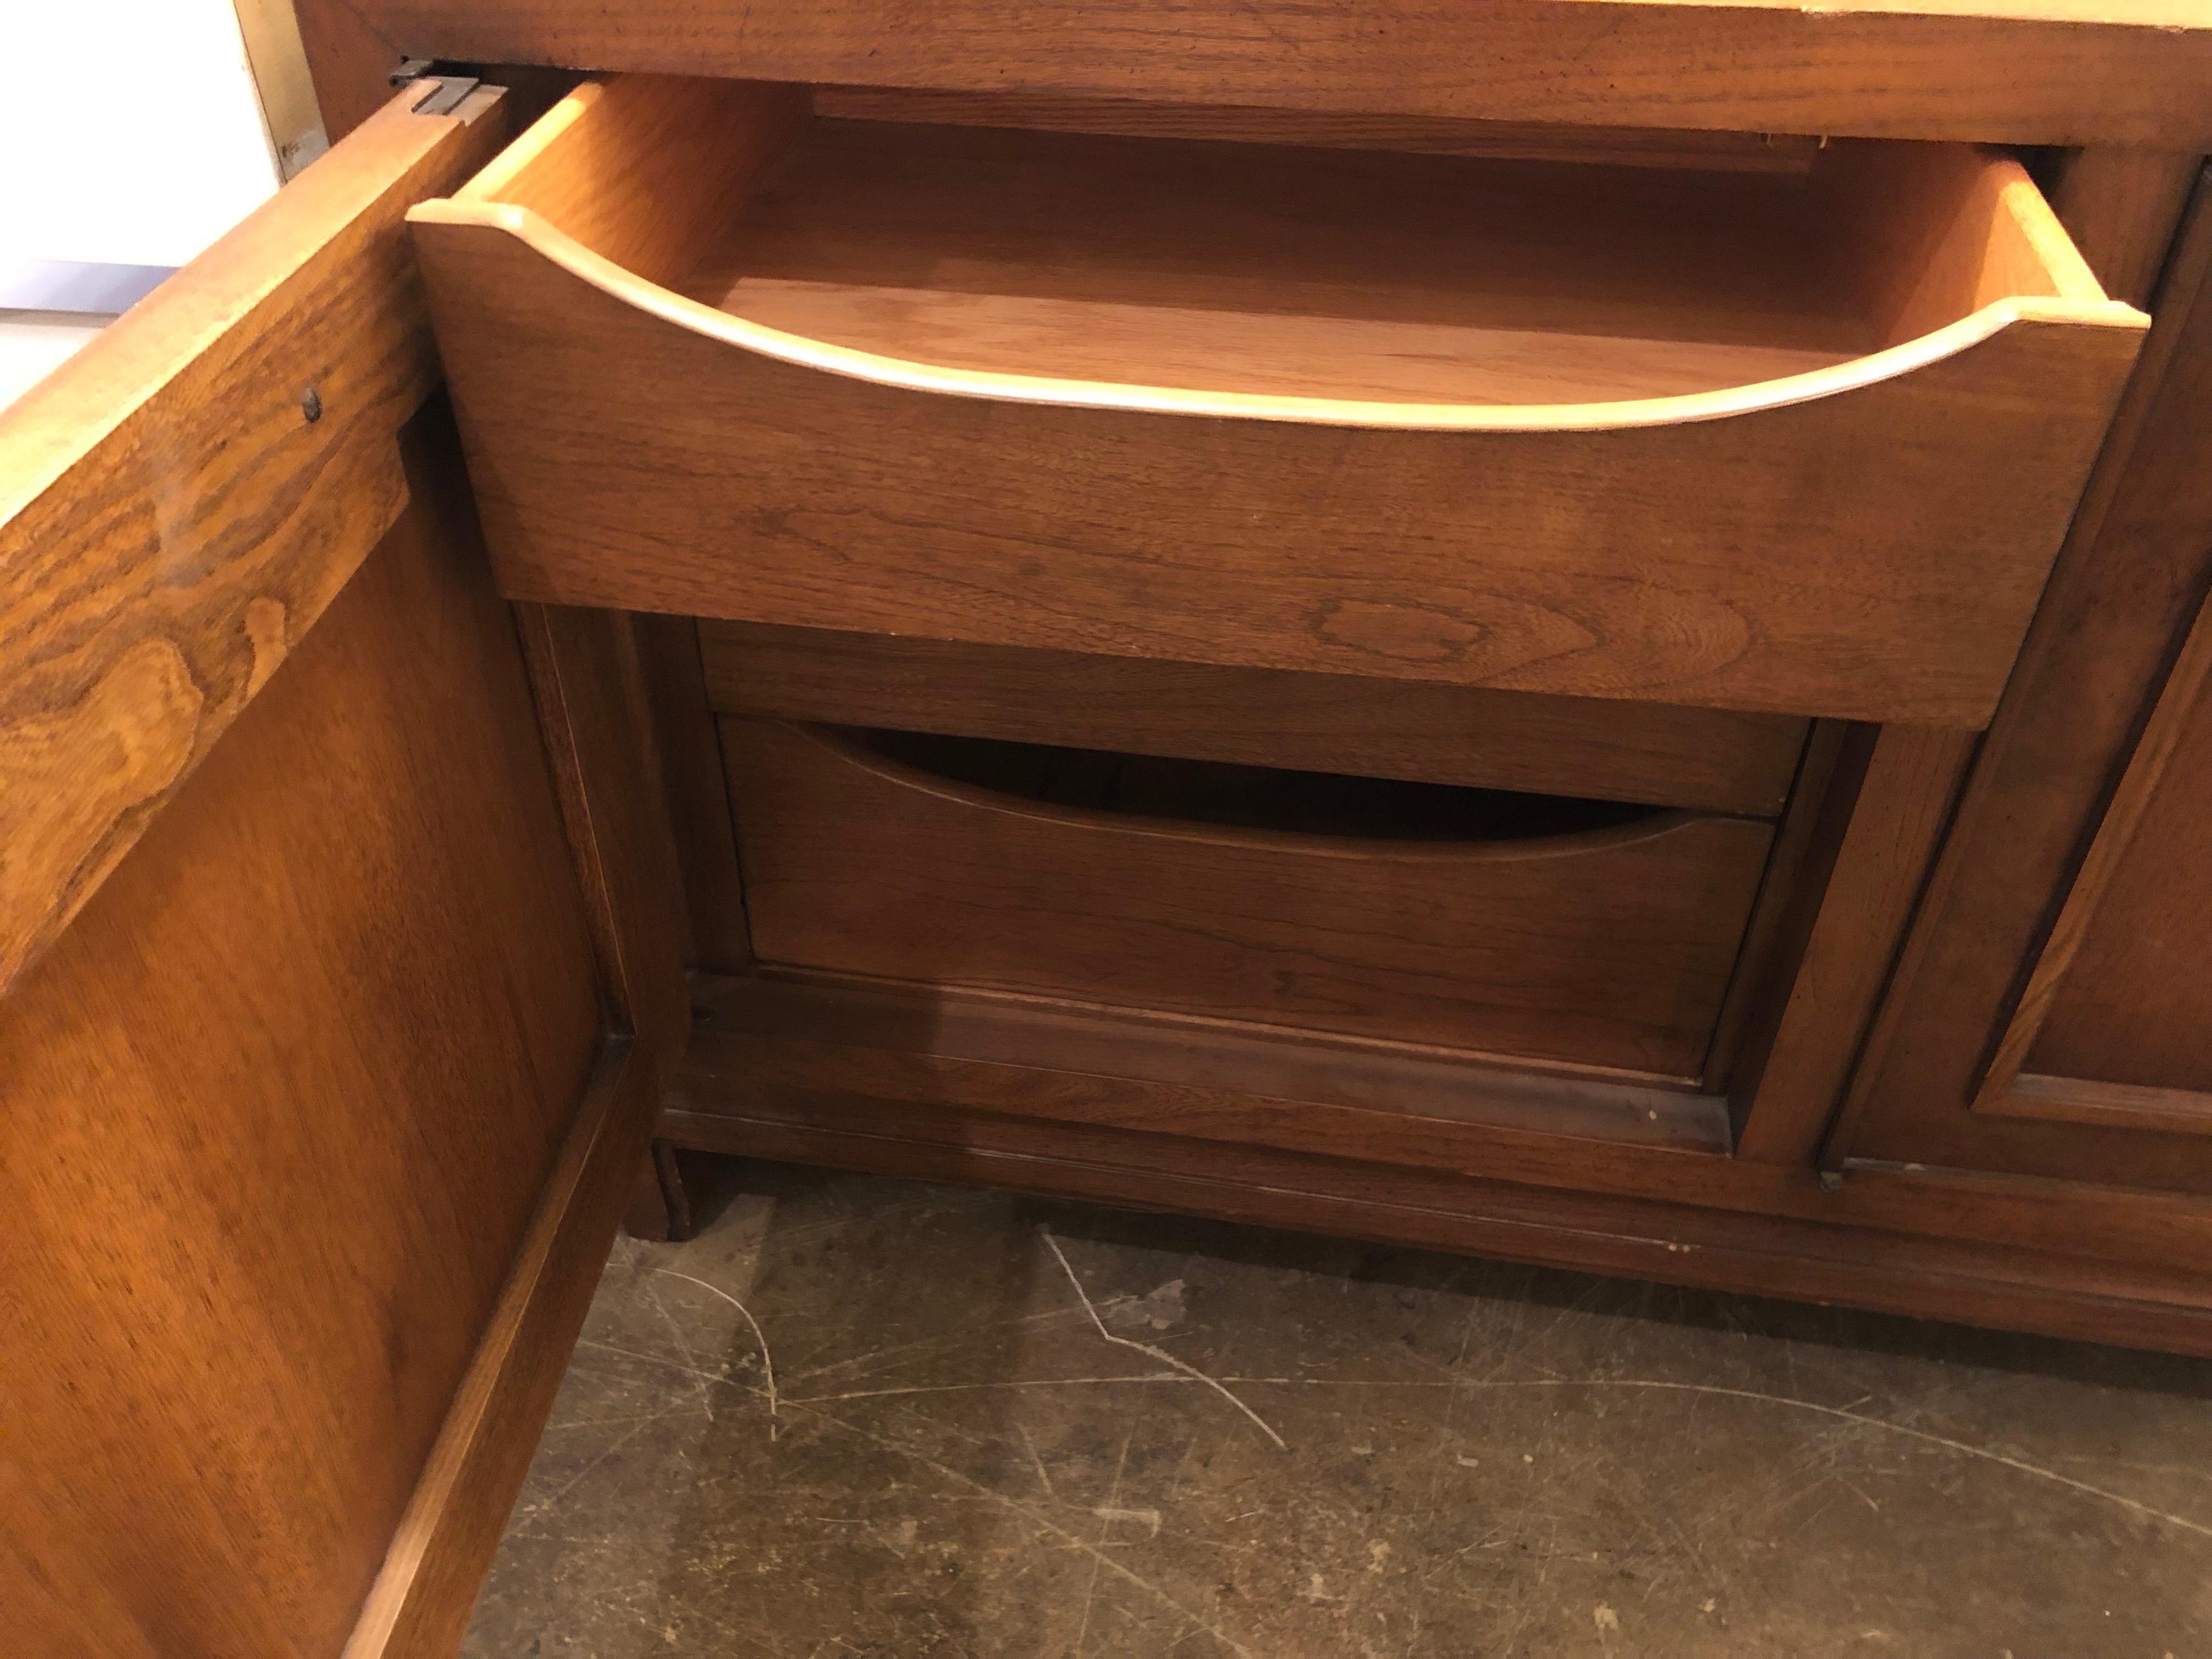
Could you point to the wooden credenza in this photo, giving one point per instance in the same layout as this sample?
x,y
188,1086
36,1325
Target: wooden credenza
x,y
1572,630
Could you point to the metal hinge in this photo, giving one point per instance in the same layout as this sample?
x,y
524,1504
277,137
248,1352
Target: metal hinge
x,y
444,84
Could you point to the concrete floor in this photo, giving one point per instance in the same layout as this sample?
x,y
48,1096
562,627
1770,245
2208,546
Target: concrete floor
x,y
1019,1430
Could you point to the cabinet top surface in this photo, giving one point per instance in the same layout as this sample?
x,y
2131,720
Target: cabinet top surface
x,y
2137,72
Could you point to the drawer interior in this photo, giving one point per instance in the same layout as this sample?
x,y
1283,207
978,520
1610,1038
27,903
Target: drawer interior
x,y
1255,268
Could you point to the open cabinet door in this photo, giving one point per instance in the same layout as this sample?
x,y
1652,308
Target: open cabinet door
x,y
334,998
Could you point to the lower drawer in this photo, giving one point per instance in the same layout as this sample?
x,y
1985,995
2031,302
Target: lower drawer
x,y
1535,926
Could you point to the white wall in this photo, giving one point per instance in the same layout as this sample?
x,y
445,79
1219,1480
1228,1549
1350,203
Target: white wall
x,y
130,132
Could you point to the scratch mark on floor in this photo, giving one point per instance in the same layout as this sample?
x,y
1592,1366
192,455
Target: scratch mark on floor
x,y
1105,1514
660,1359
1148,1350
1147,1519
552,1501
1713,1391
1036,1462
939,1344
1177,1379
1186,1375
768,1366
1043,1522
675,1330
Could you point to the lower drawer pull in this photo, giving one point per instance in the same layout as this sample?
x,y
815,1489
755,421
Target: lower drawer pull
x,y
1191,796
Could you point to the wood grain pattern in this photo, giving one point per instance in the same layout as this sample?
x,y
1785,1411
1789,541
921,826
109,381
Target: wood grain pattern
x,y
1725,152
2054,72
1302,271
2107,1105
1609,950
277,1107
1781,920
1707,759
2122,599
957,1063
1884,848
172,522
350,60
692,782
1431,1093
2120,206
644,170
1085,256
1918,498
420,1604
2117,995
593,711
1941,230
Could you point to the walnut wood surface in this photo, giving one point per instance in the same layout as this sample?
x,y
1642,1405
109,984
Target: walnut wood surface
x,y
689,750
2122,599
1388,1099
1916,510
593,711
2107,1105
2022,71
1883,850
350,60
172,522
278,1106
1727,152
1702,758
420,1604
820,1046
1607,949
2120,206
2119,994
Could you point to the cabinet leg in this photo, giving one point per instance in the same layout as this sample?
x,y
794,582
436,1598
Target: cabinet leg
x,y
659,1208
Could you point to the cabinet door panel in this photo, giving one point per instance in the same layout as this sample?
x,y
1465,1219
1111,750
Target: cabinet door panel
x,y
2114,1027
2052,1016
323,1079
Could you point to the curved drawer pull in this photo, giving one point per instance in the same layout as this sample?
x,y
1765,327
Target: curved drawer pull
x,y
1319,813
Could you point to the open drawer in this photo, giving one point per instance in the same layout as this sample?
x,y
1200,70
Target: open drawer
x,y
1541,927
1803,441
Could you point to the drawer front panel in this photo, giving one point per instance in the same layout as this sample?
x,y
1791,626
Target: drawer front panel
x,y
1712,760
1611,949
1873,555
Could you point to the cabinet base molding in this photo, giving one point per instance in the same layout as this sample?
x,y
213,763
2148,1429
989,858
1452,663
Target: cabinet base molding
x,y
1056,1100
1938,1278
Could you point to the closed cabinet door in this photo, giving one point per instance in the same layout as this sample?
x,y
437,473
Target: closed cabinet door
x,y
319,1099
2052,1016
